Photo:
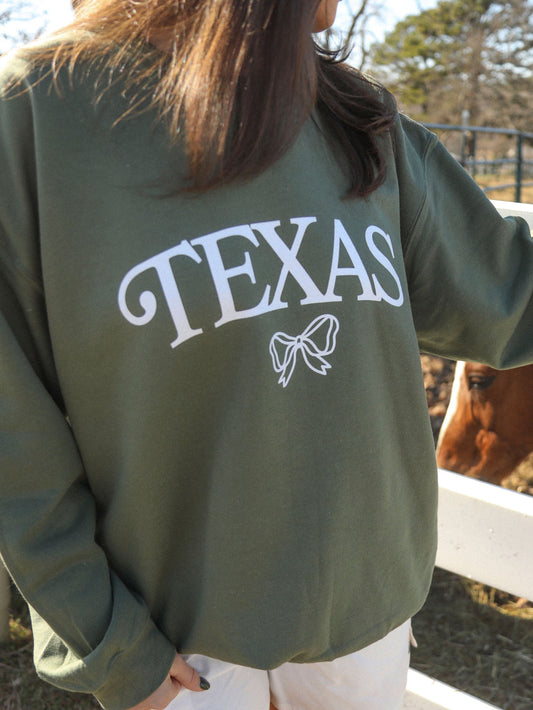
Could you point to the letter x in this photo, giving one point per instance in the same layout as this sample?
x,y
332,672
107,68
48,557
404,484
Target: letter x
x,y
291,265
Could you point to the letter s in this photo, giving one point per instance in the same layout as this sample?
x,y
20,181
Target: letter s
x,y
381,294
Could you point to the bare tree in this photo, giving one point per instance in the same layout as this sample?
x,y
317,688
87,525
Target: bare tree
x,y
20,22
356,32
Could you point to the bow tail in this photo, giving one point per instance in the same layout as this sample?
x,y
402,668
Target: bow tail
x,y
321,368
288,366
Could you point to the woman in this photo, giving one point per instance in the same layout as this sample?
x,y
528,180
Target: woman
x,y
221,251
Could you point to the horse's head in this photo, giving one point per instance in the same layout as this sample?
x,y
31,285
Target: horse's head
x,y
488,428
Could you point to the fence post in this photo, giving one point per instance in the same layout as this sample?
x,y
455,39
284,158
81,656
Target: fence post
x,y
473,148
464,140
4,603
519,161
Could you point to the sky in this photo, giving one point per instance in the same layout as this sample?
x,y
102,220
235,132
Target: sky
x,y
59,11
393,11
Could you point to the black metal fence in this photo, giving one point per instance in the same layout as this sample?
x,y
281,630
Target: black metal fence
x,y
504,154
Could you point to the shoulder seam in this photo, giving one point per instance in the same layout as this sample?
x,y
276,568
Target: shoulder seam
x,y
430,146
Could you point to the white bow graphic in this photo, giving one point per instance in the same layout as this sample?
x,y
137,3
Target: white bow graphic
x,y
284,348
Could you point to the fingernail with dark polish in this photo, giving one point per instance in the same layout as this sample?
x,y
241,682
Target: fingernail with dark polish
x,y
204,684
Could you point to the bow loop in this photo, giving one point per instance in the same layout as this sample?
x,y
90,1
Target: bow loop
x,y
317,340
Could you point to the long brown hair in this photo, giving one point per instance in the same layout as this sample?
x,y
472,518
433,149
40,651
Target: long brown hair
x,y
236,82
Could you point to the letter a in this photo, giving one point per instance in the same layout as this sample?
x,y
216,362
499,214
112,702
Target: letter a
x,y
358,270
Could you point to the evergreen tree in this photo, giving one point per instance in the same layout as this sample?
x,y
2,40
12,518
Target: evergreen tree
x,y
462,55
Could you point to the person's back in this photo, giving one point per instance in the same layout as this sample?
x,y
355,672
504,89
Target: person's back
x,y
221,251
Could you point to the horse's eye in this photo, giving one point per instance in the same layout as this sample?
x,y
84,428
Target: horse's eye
x,y
480,382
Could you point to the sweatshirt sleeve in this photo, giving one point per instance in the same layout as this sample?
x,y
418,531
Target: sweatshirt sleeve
x,y
91,633
470,271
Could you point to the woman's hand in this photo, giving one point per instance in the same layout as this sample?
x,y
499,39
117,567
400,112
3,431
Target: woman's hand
x,y
181,674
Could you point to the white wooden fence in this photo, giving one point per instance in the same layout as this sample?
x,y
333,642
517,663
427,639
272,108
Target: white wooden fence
x,y
485,533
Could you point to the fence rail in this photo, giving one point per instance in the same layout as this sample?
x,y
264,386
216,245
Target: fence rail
x,y
469,148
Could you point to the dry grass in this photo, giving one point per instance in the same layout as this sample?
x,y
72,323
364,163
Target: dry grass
x,y
20,689
478,640
507,193
521,479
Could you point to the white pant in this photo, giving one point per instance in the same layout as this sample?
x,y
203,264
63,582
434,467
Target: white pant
x,y
371,679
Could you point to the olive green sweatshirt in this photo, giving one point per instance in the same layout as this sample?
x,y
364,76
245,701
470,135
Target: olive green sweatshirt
x,y
213,428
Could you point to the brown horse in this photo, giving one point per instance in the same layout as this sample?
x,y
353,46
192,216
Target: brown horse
x,y
488,428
